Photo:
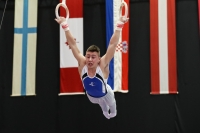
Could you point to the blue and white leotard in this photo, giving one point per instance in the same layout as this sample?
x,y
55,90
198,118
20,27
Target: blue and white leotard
x,y
94,86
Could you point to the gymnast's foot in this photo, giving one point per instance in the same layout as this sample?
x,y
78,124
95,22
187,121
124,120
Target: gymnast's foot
x,y
113,114
106,114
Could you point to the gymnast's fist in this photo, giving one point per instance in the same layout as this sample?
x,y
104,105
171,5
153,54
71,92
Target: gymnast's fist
x,y
123,19
60,20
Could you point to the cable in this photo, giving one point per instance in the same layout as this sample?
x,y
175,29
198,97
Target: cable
x,y
3,13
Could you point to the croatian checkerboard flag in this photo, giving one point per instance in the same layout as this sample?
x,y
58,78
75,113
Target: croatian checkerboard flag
x,y
118,78
163,47
70,81
24,56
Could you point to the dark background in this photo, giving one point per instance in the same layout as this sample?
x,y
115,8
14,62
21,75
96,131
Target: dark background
x,y
138,111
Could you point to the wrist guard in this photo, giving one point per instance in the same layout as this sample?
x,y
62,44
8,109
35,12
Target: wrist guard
x,y
65,26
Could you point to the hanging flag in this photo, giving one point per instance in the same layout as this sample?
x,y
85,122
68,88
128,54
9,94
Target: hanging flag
x,y
70,81
163,47
24,56
118,78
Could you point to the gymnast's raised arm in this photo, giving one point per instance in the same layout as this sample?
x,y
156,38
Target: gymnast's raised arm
x,y
71,41
113,41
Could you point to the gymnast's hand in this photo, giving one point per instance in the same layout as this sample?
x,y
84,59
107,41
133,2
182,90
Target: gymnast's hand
x,y
60,20
63,22
123,19
120,23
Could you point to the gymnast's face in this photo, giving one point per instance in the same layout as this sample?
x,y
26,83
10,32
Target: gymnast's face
x,y
92,59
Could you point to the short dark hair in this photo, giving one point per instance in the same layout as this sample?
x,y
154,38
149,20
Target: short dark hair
x,y
94,48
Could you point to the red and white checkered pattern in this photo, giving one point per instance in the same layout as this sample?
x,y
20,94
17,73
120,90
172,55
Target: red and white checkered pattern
x,y
119,48
122,47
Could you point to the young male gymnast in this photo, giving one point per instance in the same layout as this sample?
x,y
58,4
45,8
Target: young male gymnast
x,y
94,70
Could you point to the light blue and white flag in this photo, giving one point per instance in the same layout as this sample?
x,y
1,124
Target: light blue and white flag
x,y
24,56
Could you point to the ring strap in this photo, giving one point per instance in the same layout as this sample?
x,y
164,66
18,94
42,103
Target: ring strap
x,y
64,6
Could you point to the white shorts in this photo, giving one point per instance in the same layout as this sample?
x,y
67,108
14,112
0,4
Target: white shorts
x,y
108,99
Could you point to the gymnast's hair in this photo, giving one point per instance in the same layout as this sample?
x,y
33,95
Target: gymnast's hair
x,y
94,48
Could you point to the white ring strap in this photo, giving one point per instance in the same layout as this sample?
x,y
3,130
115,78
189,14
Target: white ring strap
x,y
63,4
123,4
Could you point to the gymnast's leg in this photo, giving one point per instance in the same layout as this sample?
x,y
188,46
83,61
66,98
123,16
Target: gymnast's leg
x,y
111,102
105,109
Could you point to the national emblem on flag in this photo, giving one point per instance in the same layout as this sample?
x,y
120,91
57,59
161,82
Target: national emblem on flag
x,y
122,47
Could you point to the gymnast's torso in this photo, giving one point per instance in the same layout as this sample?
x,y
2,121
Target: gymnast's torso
x,y
94,86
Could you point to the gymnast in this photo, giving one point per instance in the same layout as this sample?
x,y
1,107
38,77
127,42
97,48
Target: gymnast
x,y
94,70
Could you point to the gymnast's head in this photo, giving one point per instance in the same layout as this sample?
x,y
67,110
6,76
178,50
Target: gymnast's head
x,y
92,56
94,48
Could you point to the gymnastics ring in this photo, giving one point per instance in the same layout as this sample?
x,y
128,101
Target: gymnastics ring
x,y
63,4
123,4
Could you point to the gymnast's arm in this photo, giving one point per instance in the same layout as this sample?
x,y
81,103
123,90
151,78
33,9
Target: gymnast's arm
x,y
71,41
113,42
111,48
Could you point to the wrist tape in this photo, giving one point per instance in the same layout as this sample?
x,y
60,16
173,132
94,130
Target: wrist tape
x,y
119,25
65,26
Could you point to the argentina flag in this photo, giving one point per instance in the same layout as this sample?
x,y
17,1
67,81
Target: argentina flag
x,y
24,52
118,78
